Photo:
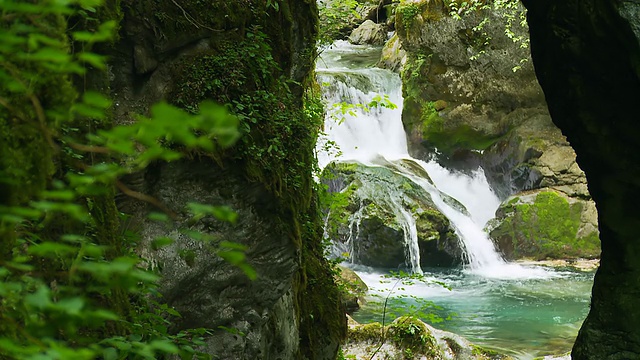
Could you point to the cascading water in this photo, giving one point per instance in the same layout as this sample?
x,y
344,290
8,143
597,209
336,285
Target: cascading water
x,y
376,137
523,311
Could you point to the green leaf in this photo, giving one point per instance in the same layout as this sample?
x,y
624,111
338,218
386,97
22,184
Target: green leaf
x,y
249,271
105,32
157,216
67,195
110,354
233,257
71,306
233,246
40,299
51,249
165,346
95,60
161,242
95,99
88,111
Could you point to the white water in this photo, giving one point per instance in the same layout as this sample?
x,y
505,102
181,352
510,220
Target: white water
x,y
377,138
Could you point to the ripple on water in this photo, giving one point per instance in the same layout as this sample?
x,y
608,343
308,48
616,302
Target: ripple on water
x,y
523,316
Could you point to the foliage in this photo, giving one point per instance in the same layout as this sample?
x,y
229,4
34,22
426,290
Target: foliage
x,y
70,285
336,17
340,110
512,13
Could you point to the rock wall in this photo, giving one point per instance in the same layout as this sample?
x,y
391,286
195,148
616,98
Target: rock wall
x,y
471,93
256,56
586,55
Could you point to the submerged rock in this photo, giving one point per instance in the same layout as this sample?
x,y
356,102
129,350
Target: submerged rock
x,y
408,338
546,224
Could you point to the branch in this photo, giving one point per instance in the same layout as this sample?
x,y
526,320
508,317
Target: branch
x,y
90,148
146,198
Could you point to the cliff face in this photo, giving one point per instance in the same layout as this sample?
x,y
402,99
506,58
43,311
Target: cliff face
x,y
256,56
587,56
470,91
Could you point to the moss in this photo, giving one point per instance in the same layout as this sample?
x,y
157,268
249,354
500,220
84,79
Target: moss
x,y
546,228
406,13
372,333
406,333
447,139
411,334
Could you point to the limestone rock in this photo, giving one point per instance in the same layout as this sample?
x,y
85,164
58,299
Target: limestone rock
x,y
546,224
582,58
352,287
370,224
448,60
369,33
393,55
166,44
408,338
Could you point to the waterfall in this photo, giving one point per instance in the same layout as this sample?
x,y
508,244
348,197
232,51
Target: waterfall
x,y
377,138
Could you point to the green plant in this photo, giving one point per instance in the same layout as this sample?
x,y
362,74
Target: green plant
x,y
334,18
511,12
71,286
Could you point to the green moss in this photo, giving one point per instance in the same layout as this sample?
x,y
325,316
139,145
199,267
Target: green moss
x,y
406,333
412,334
547,228
447,139
406,14
372,332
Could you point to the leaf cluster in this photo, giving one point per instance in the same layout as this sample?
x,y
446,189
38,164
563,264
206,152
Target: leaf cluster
x,y
71,286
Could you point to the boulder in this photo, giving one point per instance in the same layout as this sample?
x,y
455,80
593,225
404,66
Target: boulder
x,y
393,55
373,209
352,287
533,155
408,338
546,224
369,33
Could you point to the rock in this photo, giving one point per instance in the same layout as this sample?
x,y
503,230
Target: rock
x,y
373,211
448,60
545,224
393,55
337,21
408,338
187,59
577,264
369,33
533,155
143,60
582,58
352,287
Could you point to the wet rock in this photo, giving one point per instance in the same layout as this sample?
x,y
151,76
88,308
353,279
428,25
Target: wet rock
x,y
408,338
545,224
393,55
352,287
374,211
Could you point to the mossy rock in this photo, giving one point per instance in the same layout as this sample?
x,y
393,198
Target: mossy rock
x,y
543,225
352,288
367,214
